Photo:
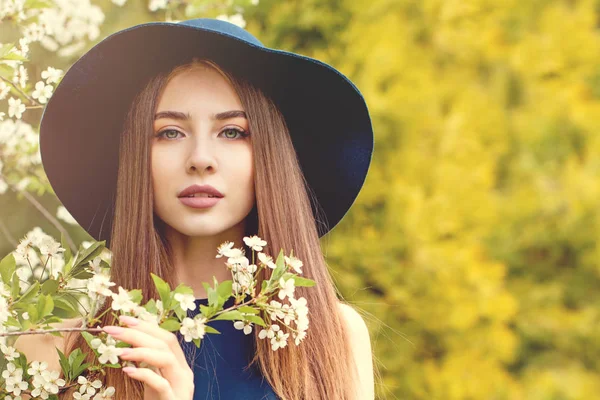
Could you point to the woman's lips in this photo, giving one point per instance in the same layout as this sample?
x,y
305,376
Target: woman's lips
x,y
200,202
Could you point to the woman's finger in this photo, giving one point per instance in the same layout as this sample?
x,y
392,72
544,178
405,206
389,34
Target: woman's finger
x,y
164,360
160,386
153,336
154,344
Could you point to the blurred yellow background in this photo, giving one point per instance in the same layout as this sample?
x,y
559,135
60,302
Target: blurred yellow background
x,y
471,250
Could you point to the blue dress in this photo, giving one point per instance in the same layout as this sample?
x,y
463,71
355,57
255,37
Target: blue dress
x,y
220,360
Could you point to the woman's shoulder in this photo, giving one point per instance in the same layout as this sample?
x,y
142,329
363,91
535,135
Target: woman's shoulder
x,y
360,342
43,347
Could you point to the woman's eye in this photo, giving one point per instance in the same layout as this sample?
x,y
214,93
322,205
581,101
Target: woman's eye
x,y
234,132
229,133
162,133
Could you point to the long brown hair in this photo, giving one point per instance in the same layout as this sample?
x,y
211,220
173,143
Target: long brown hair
x,y
322,366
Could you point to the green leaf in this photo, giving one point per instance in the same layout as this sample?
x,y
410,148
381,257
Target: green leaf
x,y
171,324
232,315
30,4
248,310
81,273
6,70
135,295
15,288
45,306
50,286
33,313
183,289
225,290
151,307
210,329
164,290
75,359
279,271
208,312
5,49
299,281
86,255
67,303
213,297
7,267
77,371
68,266
64,363
29,295
14,57
256,319
88,338
41,306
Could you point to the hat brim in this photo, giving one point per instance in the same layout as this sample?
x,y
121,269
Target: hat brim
x,y
79,133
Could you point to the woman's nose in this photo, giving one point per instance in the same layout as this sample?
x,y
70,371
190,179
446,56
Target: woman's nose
x,y
201,154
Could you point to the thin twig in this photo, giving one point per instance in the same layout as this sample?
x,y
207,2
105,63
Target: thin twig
x,y
31,100
46,214
6,232
41,331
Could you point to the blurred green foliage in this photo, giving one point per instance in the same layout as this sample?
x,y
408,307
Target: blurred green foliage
x,y
471,250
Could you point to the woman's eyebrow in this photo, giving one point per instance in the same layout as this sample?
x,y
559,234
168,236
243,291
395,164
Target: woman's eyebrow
x,y
184,117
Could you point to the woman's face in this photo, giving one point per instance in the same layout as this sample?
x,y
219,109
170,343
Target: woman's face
x,y
201,150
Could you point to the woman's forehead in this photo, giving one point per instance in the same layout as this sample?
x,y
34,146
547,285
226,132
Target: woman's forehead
x,y
198,92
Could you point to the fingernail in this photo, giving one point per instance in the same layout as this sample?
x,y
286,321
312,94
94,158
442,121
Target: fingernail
x,y
129,369
113,330
125,352
129,320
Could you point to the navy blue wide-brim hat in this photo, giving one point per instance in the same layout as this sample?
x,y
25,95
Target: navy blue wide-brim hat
x,y
326,114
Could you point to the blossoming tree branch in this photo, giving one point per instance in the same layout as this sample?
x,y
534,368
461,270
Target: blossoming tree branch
x,y
30,311
42,282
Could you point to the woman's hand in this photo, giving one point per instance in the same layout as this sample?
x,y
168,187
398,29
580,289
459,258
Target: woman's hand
x,y
170,378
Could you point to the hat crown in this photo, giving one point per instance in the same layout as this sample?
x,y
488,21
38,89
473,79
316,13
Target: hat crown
x,y
222,26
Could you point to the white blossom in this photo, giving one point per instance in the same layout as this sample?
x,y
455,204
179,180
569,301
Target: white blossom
x,y
107,394
9,352
86,387
266,260
255,243
34,32
186,301
269,333
122,301
4,311
42,92
20,76
295,263
37,368
99,284
193,328
155,5
50,247
15,108
287,288
108,350
280,340
4,90
52,75
245,325
276,312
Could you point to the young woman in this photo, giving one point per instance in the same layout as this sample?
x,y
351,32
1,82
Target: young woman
x,y
283,141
